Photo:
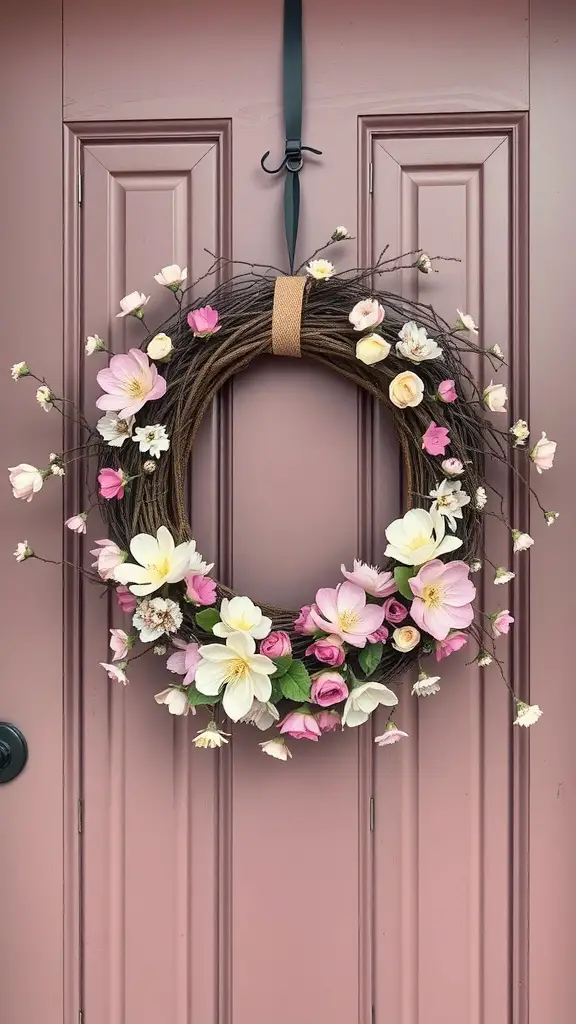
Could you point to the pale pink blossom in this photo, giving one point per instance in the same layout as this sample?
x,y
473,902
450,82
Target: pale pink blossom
x,y
329,720
328,650
304,623
443,596
450,644
200,589
276,645
26,480
370,578
447,391
391,734
366,314
436,440
120,644
176,700
379,636
394,611
301,725
501,623
184,661
126,600
452,467
133,304
77,523
344,612
328,688
112,483
116,671
542,454
129,381
203,322
108,557
276,748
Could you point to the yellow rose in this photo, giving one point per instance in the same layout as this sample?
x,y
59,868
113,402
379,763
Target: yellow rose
x,y
372,348
407,389
405,638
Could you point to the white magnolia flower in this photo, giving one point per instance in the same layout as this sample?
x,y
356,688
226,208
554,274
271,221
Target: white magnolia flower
x,y
276,748
44,397
340,233
405,638
450,499
418,537
175,698
155,616
363,700
26,480
480,498
262,715
372,348
495,350
527,714
426,686
115,430
495,397
210,737
153,439
522,541
321,270
19,370
551,518
465,322
424,263
93,344
366,314
484,659
23,551
235,666
172,277
503,576
415,344
116,671
133,304
241,615
543,452
475,565
160,348
452,467
160,562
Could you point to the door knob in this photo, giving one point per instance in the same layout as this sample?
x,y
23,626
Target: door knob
x,y
13,752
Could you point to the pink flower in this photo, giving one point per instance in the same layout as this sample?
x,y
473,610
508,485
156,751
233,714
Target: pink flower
x,y
301,725
374,582
328,650
328,688
77,523
452,643
443,596
26,480
130,381
329,721
366,314
543,452
184,661
276,645
379,636
344,611
112,483
305,623
435,440
126,600
452,467
203,322
120,643
108,557
200,589
395,611
391,734
447,391
501,623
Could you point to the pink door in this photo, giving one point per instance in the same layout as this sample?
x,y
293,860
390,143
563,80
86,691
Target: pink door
x,y
144,881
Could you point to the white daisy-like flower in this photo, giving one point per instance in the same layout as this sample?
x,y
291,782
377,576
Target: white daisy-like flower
x,y
321,270
23,551
210,737
475,565
522,541
93,344
551,518
503,576
116,671
484,659
520,432
426,686
155,616
449,501
276,748
340,233
159,649
480,498
44,397
153,439
527,714
19,370
57,469
415,344
115,430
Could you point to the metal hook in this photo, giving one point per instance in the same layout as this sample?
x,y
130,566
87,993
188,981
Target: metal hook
x,y
293,160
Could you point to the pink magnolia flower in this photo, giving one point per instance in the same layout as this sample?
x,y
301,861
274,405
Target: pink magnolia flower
x,y
452,643
120,644
328,688
126,600
395,611
443,596
301,725
200,589
343,611
329,720
112,483
371,579
379,636
203,322
501,623
391,734
108,556
447,391
184,661
26,480
305,623
77,523
328,650
276,645
129,381
435,440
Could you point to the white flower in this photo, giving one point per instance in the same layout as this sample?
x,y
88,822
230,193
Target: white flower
x,y
483,659
495,397
424,263
114,430
392,734
133,304
542,454
44,397
235,666
480,498
452,467
340,233
406,390
418,537
155,616
159,649
172,277
426,686
26,480
261,715
57,469
210,737
520,432
175,698
366,314
19,370
23,551
465,322
160,562
522,541
503,576
77,523
551,518
276,748
527,714
241,615
153,439
450,500
160,348
475,565
405,638
372,348
149,466
93,344
415,344
321,270
495,350
117,671
363,700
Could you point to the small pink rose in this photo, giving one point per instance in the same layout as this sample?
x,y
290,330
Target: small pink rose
x,y
452,643
379,636
452,467
394,611
447,391
329,720
305,623
328,650
126,600
501,623
328,688
203,322
435,441
301,725
276,645
200,589
112,483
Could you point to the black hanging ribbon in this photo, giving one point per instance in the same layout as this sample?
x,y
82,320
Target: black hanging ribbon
x,y
293,160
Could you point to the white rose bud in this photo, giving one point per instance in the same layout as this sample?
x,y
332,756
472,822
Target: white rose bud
x,y
160,348
340,233
172,277
522,541
19,370
321,270
93,344
495,397
405,638
44,397
372,349
406,390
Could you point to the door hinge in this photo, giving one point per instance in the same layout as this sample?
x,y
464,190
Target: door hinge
x,y
370,178
80,1017
80,816
371,813
79,189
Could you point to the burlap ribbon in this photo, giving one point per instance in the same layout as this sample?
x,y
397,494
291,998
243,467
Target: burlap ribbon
x,y
287,315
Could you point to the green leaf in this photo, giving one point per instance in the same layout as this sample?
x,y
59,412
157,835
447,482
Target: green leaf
x,y
295,683
276,694
195,697
282,665
207,619
402,574
370,657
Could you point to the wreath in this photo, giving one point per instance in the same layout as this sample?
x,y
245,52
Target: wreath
x,y
298,673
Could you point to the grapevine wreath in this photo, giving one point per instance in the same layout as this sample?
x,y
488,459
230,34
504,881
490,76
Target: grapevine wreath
x,y
329,665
